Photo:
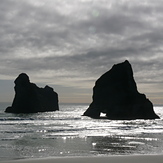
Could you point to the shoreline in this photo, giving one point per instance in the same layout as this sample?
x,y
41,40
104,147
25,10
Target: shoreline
x,y
94,159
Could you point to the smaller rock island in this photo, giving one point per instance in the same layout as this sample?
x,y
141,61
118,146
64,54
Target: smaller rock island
x,y
115,94
29,98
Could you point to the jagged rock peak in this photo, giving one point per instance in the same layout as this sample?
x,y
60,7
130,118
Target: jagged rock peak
x,y
22,79
115,94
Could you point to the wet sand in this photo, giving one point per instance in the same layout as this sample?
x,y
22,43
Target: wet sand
x,y
110,159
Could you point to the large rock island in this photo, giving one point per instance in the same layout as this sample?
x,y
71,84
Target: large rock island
x,y
115,93
29,98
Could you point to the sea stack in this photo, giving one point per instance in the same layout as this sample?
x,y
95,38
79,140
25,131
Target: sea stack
x,y
115,94
29,98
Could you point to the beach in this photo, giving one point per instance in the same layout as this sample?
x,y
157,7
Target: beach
x,y
109,159
65,135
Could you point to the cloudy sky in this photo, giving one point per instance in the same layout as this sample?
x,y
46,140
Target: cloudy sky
x,y
69,44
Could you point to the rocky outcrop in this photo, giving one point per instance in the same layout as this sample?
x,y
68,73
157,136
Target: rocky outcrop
x,y
115,93
29,98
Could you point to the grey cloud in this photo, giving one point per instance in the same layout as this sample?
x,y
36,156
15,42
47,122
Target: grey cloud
x,y
30,27
42,29
80,40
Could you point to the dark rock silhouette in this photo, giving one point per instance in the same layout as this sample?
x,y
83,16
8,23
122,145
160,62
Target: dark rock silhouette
x,y
115,93
29,98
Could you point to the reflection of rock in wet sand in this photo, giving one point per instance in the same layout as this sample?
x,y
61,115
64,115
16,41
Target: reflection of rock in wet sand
x,y
112,145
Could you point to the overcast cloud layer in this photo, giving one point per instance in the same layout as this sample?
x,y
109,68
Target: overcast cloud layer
x,y
68,44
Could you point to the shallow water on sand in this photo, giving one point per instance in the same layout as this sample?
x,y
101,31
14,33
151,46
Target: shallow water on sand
x,y
67,133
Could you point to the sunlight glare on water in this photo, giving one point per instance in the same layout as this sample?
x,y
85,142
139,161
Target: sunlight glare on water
x,y
68,133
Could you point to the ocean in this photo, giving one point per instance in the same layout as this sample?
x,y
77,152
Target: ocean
x,y
67,133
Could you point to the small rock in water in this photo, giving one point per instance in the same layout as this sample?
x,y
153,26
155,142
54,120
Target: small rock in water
x,y
29,98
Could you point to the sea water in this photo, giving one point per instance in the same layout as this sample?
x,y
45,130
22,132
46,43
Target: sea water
x,y
67,133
